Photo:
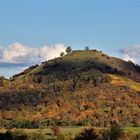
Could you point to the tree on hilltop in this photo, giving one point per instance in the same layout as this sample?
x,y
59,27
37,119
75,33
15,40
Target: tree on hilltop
x,y
87,48
68,49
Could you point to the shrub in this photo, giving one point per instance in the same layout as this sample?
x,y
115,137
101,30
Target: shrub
x,y
55,130
62,54
116,131
87,134
6,136
106,135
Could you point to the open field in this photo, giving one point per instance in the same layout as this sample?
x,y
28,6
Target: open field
x,y
47,133
68,132
133,129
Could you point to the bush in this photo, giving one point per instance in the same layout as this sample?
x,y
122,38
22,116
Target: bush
x,y
87,134
116,131
6,136
62,54
9,135
106,135
55,130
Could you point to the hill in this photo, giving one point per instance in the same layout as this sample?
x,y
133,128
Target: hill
x,y
81,88
83,61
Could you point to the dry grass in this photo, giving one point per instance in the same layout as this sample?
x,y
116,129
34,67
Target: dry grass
x,y
124,81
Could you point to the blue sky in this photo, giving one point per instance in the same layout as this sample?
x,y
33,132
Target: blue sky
x,y
109,25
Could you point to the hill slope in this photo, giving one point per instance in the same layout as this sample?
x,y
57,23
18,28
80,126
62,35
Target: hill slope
x,y
80,88
84,61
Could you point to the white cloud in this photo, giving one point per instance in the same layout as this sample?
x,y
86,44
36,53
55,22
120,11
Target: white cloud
x,y
126,57
131,53
19,53
16,57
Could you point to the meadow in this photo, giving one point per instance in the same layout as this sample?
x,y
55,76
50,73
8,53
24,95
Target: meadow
x,y
65,133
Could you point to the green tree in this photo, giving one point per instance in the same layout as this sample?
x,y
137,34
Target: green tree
x,y
68,49
87,48
87,134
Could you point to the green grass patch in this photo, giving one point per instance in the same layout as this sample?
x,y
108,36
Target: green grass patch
x,y
66,131
133,129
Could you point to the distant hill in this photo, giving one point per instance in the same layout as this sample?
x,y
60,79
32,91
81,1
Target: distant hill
x,y
81,88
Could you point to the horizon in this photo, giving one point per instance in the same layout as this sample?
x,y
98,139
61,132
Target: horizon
x,y
47,27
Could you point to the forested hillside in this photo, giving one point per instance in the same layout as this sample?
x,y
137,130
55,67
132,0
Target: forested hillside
x,y
81,88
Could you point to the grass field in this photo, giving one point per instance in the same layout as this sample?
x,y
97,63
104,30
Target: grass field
x,y
124,81
68,132
133,129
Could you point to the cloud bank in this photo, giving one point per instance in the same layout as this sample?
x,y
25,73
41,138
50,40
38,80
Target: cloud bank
x,y
18,53
17,57
131,53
